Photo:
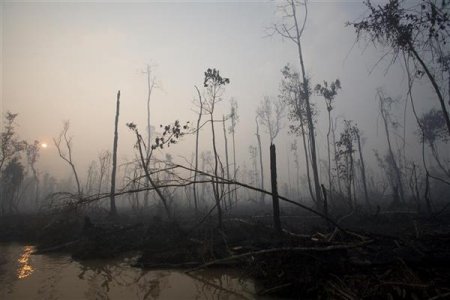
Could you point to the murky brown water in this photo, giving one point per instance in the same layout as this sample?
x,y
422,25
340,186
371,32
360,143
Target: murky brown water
x,y
27,276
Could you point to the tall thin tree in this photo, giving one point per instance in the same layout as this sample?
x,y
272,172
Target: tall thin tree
x,y
329,93
385,106
232,129
294,32
113,209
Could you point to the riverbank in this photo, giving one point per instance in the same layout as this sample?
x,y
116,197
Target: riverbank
x,y
389,254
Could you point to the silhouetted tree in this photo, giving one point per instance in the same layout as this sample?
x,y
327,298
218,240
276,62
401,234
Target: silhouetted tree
x,y
385,106
10,145
64,141
418,31
253,173
232,129
11,179
294,148
292,30
227,164
151,85
434,131
104,161
91,178
197,135
291,94
113,210
270,113
261,174
214,84
171,134
345,159
329,93
357,135
32,151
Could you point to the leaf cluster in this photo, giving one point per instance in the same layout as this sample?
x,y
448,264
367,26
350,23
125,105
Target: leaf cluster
x,y
213,78
403,28
329,93
170,135
433,127
293,94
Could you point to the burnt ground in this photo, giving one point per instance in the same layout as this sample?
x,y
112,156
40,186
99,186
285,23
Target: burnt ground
x,y
384,255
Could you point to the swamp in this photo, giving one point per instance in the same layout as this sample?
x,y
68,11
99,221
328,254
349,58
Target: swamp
x,y
289,149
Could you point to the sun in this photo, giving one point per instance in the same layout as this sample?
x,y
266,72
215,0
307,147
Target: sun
x,y
44,145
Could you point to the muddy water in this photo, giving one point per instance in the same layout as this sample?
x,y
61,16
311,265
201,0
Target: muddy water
x,y
24,275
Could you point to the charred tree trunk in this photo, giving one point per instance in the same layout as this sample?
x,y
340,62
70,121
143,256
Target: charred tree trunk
x,y
363,169
329,157
260,160
275,200
113,210
325,204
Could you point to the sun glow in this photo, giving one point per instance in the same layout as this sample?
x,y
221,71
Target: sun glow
x,y
44,145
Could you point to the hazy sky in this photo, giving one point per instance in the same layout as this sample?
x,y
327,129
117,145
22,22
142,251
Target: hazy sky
x,y
66,61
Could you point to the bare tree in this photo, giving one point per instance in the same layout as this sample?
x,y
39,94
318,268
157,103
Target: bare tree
x,y
357,135
294,148
64,141
206,159
258,137
113,210
171,135
329,93
271,113
214,84
292,30
91,178
385,106
197,135
232,129
151,85
253,173
104,161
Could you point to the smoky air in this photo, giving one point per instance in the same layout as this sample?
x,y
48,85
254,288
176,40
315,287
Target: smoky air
x,y
223,150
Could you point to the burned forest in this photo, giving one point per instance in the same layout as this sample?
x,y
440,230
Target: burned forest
x,y
291,149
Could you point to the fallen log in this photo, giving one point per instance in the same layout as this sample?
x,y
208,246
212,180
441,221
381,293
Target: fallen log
x,y
272,250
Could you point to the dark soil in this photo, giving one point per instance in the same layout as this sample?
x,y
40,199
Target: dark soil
x,y
394,255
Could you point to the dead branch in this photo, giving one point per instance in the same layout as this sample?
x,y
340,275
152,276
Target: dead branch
x,y
282,249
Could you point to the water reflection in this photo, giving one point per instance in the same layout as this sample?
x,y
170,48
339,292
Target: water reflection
x,y
117,280
59,277
25,269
